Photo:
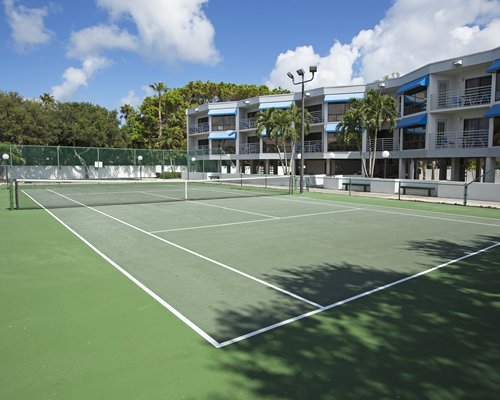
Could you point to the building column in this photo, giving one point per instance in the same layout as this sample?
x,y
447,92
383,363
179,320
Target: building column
x,y
402,168
266,169
411,172
455,169
489,169
328,162
443,169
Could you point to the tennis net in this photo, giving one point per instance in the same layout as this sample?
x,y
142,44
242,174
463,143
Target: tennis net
x,y
43,193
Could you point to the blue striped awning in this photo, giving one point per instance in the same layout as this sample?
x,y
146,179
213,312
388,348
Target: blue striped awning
x,y
415,120
494,67
420,82
222,111
494,111
343,97
222,135
275,104
332,127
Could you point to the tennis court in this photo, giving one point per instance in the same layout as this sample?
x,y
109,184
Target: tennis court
x,y
238,260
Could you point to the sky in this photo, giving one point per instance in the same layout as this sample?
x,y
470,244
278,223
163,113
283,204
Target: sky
x,y
108,52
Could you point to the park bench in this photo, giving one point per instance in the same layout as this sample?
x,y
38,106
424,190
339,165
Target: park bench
x,y
417,187
348,185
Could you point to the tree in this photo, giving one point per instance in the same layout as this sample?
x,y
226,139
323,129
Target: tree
x,y
283,127
351,128
377,110
160,88
48,101
372,113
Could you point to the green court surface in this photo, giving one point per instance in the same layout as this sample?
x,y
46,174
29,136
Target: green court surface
x,y
296,296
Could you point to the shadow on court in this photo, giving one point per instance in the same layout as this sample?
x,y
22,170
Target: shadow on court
x,y
435,337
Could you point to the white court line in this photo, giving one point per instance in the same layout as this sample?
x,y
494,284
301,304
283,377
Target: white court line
x,y
253,221
194,253
170,308
398,212
358,296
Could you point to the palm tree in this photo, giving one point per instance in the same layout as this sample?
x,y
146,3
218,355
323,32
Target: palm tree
x,y
160,88
351,128
377,110
126,111
283,128
48,100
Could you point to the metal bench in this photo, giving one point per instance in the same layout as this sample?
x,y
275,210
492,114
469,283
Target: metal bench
x,y
348,185
416,187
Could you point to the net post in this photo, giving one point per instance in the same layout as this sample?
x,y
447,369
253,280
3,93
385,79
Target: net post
x,y
16,193
11,195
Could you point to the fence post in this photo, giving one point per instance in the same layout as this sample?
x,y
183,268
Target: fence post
x,y
466,187
350,179
399,190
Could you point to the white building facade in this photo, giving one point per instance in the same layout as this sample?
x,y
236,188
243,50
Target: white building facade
x,y
449,122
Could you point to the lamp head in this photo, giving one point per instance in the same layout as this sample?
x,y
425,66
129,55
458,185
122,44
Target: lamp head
x,y
193,159
313,69
386,154
5,156
139,158
300,72
290,75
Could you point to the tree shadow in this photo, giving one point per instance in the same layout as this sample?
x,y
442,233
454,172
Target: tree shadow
x,y
432,337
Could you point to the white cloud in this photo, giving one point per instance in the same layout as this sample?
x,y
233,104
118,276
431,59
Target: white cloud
x,y
131,98
74,78
413,33
27,24
91,41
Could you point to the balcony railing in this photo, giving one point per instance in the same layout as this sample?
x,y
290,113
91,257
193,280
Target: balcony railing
x,y
461,98
334,146
459,140
201,151
201,128
310,146
317,117
248,123
388,144
250,148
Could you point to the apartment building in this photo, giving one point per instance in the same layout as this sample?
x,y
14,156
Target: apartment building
x,y
449,121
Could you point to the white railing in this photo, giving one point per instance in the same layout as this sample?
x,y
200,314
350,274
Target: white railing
x,y
310,146
248,123
388,144
459,140
317,116
461,98
250,148
204,127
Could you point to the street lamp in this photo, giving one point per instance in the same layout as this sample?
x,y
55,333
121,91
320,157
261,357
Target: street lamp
x,y
300,72
385,156
139,158
5,157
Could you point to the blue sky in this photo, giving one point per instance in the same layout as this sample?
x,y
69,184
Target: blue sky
x,y
108,51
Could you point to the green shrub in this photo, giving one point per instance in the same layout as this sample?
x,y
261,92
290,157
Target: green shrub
x,y
168,175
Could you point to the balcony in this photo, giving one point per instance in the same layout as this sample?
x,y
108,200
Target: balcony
x,y
317,117
248,123
201,128
250,148
459,140
388,144
461,98
310,146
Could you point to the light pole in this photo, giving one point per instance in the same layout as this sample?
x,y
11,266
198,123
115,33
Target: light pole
x,y
139,158
301,73
385,156
5,157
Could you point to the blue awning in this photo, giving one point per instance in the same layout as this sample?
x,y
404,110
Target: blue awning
x,y
420,82
343,97
275,104
222,135
222,111
494,111
415,120
494,67
332,127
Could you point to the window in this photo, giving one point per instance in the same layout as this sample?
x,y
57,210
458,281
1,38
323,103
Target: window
x,y
336,142
316,113
497,87
253,139
475,83
202,142
415,101
336,111
414,138
223,146
203,120
476,132
496,131
223,123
